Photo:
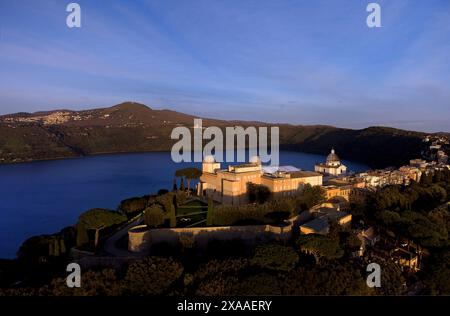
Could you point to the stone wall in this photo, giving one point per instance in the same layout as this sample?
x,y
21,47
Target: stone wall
x,y
140,239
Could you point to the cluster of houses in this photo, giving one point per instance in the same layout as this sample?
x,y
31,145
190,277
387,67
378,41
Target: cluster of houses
x,y
435,149
230,185
341,187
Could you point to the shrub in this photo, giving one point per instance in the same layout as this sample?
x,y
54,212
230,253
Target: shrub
x,y
166,201
154,216
270,212
275,257
310,196
259,284
162,191
328,280
134,205
152,276
231,215
320,247
93,283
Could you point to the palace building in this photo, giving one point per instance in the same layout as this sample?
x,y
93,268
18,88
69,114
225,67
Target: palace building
x,y
332,166
229,186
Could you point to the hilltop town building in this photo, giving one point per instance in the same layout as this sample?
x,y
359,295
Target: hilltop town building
x,y
322,216
418,163
230,185
332,166
406,259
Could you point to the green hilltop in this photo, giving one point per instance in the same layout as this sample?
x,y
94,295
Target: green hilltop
x,y
133,127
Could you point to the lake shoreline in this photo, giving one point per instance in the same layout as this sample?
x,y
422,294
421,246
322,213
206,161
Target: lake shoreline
x,y
113,153
41,197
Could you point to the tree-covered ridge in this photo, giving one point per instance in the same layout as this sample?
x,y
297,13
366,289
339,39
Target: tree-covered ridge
x,y
132,127
262,272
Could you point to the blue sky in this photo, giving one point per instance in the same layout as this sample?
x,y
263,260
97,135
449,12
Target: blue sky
x,y
300,62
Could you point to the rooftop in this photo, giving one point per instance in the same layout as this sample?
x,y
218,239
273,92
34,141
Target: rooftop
x,y
304,174
403,254
274,169
244,165
318,224
327,166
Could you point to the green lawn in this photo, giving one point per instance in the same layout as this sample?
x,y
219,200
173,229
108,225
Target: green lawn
x,y
195,203
184,217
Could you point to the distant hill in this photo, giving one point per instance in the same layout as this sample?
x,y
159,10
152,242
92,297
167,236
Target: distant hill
x,y
134,127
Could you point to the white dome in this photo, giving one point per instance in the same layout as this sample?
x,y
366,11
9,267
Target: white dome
x,y
209,159
255,160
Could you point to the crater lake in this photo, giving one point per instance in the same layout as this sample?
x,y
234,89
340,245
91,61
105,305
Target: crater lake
x,y
45,196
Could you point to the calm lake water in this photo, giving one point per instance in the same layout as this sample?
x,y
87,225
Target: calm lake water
x,y
43,197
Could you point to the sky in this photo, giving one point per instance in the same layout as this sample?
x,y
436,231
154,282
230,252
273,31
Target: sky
x,y
283,61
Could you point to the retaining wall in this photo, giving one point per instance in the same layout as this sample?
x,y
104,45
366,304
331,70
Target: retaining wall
x,y
140,239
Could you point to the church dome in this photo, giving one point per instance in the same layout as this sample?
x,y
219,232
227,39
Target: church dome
x,y
332,157
209,159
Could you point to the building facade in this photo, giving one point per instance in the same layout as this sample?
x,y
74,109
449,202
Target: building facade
x,y
230,186
322,216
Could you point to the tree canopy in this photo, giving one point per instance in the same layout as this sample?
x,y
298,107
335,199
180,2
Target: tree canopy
x,y
275,257
310,196
154,216
188,173
413,211
96,219
134,205
321,247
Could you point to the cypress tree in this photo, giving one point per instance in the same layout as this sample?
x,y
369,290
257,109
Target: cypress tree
x,y
56,247
82,236
174,187
50,248
172,217
62,246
